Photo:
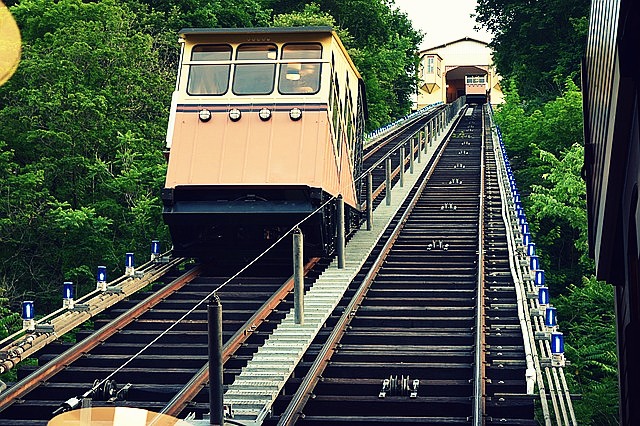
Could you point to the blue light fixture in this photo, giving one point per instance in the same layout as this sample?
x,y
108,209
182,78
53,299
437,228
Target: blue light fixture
x,y
557,343
526,238
551,317
539,278
155,249
28,310
28,315
524,228
129,265
67,295
534,263
543,296
522,219
531,249
67,290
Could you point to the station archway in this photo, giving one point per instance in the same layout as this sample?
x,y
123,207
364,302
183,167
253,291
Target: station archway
x,y
455,83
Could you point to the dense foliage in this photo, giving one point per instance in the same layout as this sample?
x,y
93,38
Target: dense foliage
x,y
83,121
537,44
537,47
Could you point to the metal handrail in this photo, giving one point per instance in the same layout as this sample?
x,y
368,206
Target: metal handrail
x,y
479,388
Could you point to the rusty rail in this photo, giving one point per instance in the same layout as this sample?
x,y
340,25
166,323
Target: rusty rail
x,y
32,381
67,320
180,401
299,400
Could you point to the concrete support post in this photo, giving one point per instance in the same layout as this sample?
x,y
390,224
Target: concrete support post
x,y
411,160
369,201
298,278
341,227
216,392
387,181
419,148
403,155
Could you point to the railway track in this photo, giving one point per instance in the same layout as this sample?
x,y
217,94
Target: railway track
x,y
254,304
404,347
401,345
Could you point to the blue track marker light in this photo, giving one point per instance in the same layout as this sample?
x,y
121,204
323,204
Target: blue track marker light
x,y
543,296
557,343
101,278
538,279
557,349
524,228
526,239
516,197
129,265
551,317
28,315
67,295
534,263
531,249
155,249
522,218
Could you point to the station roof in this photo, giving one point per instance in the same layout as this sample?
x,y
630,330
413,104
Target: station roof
x,y
454,42
256,30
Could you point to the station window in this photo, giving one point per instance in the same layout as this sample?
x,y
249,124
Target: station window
x,y
255,78
429,64
209,79
300,77
475,79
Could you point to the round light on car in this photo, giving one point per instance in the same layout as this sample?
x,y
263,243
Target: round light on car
x,y
235,114
265,114
205,115
295,114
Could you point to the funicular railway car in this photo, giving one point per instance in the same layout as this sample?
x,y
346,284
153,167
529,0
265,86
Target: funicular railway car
x,y
266,125
476,89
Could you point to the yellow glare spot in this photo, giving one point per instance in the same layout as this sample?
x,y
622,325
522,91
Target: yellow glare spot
x,y
9,44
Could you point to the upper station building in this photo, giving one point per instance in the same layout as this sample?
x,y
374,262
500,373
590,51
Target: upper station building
x,y
461,67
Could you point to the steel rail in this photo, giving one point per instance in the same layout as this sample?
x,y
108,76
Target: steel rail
x,y
72,354
386,139
21,348
479,371
180,401
302,395
11,339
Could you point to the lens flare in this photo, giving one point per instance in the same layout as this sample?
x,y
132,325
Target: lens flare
x,y
10,45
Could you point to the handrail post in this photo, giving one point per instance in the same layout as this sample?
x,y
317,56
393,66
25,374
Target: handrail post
x,y
369,201
216,392
298,277
419,149
411,160
341,223
387,181
403,155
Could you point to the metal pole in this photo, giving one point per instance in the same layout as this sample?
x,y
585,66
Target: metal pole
x,y
419,148
369,201
298,278
403,155
411,160
387,181
426,138
430,125
340,232
216,392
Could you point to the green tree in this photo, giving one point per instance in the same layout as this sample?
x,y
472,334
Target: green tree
x,y
588,320
537,44
82,126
